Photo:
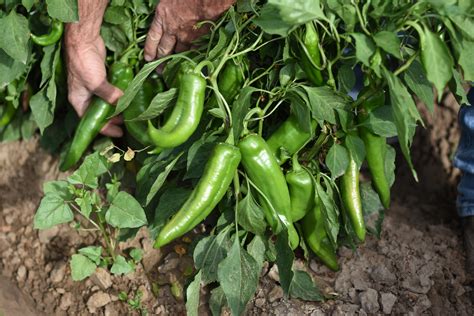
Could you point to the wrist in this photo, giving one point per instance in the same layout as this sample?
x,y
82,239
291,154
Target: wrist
x,y
87,29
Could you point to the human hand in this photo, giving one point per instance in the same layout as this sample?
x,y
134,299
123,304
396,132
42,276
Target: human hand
x,y
173,27
85,60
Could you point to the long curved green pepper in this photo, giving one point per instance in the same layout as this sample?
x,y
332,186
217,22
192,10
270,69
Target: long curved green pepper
x,y
211,188
182,124
10,110
375,147
52,37
301,187
290,137
140,103
351,199
316,237
313,56
95,117
263,170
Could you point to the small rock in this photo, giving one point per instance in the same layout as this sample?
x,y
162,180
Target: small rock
x,y
381,274
260,302
422,305
66,301
98,300
369,301
317,312
387,300
21,274
46,235
362,313
273,273
102,278
275,294
151,256
160,310
171,263
359,280
345,252
110,310
60,290
57,274
346,309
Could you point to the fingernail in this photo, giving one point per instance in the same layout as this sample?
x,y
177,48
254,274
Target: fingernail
x,y
148,57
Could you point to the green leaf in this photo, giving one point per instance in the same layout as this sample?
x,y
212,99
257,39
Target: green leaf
x,y
158,105
81,267
192,295
125,212
170,202
160,179
136,254
337,160
209,253
389,167
456,87
87,174
92,252
116,15
270,21
239,110
217,301
238,276
63,10
416,80
60,188
303,287
373,209
251,216
10,69
389,42
466,59
42,108
256,248
405,114
28,4
114,37
436,59
323,101
284,261
52,211
346,11
198,156
121,266
365,48
381,122
356,148
15,36
85,204
47,63
346,78
329,209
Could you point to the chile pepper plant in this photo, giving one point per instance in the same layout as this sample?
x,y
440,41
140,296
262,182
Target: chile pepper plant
x,y
263,134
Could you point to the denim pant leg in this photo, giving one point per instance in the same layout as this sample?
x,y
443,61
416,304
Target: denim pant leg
x,y
464,159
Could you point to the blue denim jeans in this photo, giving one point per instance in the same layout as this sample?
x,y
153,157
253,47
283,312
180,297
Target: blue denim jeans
x,y
464,159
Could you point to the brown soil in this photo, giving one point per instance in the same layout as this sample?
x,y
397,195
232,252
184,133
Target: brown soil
x,y
416,267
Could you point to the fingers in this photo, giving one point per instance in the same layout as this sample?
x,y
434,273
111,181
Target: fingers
x,y
153,38
108,92
166,45
111,129
79,97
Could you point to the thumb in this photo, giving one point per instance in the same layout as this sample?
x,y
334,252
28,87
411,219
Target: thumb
x,y
108,92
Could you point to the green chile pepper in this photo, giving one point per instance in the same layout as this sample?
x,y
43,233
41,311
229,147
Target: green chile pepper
x,y
375,147
182,123
10,110
96,116
312,55
301,187
211,188
314,232
290,137
230,80
52,37
263,170
351,199
138,129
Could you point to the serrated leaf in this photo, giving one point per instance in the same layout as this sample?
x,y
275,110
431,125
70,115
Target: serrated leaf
x,y
85,204
52,211
59,188
337,160
89,171
81,267
238,276
125,212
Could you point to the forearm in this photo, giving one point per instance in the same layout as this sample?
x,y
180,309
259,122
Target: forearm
x,y
91,13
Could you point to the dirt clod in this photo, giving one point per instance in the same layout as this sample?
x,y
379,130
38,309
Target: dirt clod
x,y
97,300
387,300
